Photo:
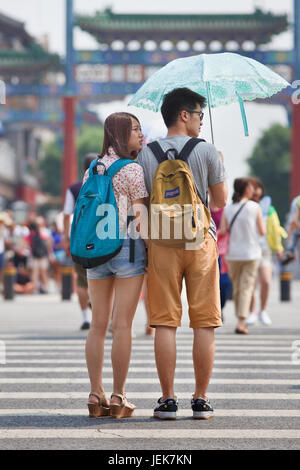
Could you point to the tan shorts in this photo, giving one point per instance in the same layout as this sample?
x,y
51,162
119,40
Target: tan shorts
x,y
166,269
81,276
40,263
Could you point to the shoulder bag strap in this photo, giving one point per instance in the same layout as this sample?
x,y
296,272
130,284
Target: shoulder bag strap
x,y
236,214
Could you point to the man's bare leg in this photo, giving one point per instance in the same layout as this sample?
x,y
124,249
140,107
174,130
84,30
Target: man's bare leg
x,y
203,357
165,357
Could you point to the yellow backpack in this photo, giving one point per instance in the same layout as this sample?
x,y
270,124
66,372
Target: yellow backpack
x,y
178,217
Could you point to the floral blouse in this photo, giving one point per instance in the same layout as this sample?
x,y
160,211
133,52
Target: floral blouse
x,y
128,184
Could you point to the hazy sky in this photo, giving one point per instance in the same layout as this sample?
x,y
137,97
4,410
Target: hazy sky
x,y
48,17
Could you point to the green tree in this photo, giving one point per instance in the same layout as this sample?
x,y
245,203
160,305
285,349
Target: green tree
x,y
50,169
271,162
89,139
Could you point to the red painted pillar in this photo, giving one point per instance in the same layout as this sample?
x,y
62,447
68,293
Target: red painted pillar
x,y
295,150
70,166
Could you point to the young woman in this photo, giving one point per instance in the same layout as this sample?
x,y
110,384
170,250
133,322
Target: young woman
x,y
115,286
244,252
270,244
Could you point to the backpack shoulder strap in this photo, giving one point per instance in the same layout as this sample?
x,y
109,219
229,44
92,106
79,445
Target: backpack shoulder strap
x,y
158,151
188,147
117,165
184,154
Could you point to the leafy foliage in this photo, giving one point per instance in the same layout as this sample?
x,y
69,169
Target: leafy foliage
x,y
271,162
89,139
50,169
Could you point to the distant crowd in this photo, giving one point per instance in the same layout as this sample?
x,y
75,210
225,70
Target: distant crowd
x,y
35,249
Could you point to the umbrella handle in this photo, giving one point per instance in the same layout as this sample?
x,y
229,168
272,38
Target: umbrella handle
x,y
243,113
209,110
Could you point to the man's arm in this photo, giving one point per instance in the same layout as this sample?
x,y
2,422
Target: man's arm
x,y
67,223
219,191
219,194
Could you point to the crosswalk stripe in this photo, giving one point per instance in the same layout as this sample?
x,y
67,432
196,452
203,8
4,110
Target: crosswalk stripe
x,y
136,361
148,412
147,380
145,395
184,336
149,343
240,354
245,370
3,368
180,355
219,347
155,433
148,347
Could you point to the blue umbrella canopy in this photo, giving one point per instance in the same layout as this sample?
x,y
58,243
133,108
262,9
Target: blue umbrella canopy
x,y
222,79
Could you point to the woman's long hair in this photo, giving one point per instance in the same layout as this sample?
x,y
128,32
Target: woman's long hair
x,y
240,185
117,131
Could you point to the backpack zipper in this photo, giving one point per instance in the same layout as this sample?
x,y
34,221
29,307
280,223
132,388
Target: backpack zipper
x,y
80,214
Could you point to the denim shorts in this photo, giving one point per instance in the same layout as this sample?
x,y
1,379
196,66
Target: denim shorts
x,y
119,266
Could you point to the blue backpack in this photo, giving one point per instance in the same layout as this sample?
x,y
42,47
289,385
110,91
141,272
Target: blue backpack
x,y
95,235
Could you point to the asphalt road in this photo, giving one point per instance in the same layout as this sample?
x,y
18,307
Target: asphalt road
x,y
255,386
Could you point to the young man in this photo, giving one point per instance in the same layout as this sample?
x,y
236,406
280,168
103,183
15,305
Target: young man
x,y
183,116
81,279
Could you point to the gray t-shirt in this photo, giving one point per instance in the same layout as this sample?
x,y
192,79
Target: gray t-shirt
x,y
204,161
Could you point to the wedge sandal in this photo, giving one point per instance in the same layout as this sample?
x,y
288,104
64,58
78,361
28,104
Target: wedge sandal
x,y
98,410
122,410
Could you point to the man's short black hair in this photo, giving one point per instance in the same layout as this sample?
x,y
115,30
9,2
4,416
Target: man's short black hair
x,y
177,100
88,160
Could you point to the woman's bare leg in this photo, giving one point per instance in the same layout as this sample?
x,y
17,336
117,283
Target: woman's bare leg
x,y
101,294
127,293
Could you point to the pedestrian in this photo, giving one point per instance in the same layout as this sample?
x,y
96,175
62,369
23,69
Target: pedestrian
x,y
270,243
23,283
5,221
293,232
244,219
182,112
58,255
225,284
16,244
40,246
80,272
115,286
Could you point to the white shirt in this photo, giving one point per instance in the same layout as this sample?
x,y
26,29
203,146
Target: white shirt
x,y
69,205
244,237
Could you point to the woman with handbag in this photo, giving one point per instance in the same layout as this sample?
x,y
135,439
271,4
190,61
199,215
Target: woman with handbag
x,y
243,219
